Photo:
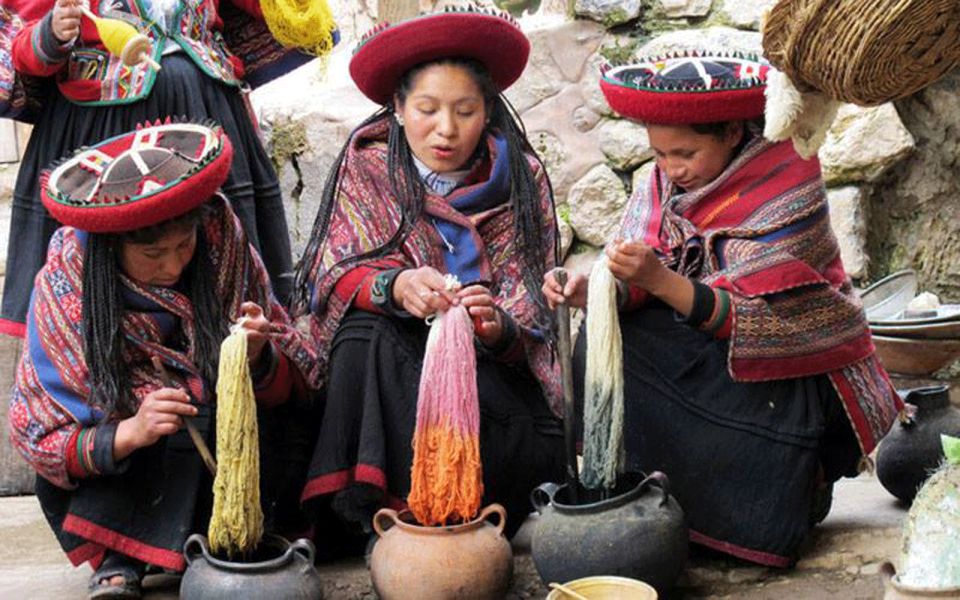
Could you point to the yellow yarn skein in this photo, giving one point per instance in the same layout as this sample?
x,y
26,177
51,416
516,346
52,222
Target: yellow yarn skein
x,y
304,24
236,525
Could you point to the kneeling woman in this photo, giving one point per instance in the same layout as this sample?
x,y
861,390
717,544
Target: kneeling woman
x,y
152,263
440,181
749,374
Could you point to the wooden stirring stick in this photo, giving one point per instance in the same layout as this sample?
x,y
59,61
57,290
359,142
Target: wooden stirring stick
x,y
567,591
201,445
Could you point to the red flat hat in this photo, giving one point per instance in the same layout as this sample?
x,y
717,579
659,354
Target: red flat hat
x,y
388,51
138,179
688,89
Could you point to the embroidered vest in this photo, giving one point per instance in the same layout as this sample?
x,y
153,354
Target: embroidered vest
x,y
95,77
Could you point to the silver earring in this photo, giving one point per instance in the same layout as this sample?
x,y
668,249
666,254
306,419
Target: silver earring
x,y
399,119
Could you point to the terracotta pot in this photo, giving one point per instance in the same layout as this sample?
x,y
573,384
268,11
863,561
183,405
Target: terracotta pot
x,y
279,570
472,560
639,532
912,449
915,357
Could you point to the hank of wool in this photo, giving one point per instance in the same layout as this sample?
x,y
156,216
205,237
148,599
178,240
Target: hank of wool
x,y
236,525
446,479
603,453
304,24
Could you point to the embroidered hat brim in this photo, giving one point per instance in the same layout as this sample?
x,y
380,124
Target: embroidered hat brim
x,y
387,52
138,179
687,90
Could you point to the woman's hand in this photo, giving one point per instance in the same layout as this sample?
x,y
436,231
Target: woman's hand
x,y
158,415
636,263
487,319
573,294
422,292
258,329
66,20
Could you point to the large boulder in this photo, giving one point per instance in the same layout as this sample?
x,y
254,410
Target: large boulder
x,y
683,8
744,14
624,143
596,203
609,12
698,39
558,59
863,143
850,226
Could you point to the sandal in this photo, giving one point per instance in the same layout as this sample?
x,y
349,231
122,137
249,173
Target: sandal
x,y
113,566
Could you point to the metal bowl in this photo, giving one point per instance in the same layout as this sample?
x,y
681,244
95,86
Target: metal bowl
x,y
915,357
889,296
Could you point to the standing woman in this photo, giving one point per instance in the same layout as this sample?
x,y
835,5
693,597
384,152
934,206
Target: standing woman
x,y
441,180
153,264
96,97
749,374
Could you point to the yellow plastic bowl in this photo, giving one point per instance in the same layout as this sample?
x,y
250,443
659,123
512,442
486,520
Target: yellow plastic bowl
x,y
606,587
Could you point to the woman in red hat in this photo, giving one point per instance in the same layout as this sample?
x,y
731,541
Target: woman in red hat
x,y
441,180
749,375
152,263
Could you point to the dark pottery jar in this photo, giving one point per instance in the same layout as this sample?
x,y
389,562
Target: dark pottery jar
x,y
638,532
911,450
279,570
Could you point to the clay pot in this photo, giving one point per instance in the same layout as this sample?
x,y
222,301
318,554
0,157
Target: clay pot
x,y
279,570
912,449
472,560
639,532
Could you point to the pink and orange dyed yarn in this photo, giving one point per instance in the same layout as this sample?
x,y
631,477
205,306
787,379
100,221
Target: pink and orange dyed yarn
x,y
446,479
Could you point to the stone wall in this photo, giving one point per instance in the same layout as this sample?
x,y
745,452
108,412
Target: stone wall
x,y
593,157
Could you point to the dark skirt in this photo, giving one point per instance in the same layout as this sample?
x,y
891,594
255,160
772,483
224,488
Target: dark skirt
x,y
744,460
181,90
165,493
364,452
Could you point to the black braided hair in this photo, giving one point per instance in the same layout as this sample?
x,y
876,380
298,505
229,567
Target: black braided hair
x,y
410,191
103,309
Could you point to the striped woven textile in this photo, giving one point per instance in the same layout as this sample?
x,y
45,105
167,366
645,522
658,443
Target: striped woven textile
x,y
365,218
49,401
761,231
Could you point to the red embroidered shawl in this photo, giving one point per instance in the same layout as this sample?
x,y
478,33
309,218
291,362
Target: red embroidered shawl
x,y
762,232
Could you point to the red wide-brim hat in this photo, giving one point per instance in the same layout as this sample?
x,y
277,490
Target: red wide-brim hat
x,y
389,51
138,179
688,89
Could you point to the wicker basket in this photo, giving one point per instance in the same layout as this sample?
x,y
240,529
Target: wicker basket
x,y
863,51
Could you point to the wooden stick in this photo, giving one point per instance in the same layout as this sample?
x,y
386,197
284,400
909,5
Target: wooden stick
x,y
201,445
568,591
566,376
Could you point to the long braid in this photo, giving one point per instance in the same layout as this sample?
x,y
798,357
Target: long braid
x,y
524,199
102,333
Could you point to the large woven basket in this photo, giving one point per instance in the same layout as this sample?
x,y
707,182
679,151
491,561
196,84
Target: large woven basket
x,y
863,51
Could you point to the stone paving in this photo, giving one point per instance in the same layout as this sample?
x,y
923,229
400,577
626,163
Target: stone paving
x,y
842,561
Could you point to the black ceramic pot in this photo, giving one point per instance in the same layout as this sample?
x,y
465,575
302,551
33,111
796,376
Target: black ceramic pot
x,y
912,449
638,532
281,571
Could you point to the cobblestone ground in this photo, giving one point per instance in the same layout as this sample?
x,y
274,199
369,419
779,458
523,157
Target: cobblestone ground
x,y
842,561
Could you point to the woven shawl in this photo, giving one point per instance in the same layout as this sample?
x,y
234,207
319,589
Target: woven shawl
x,y
366,216
52,383
761,231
